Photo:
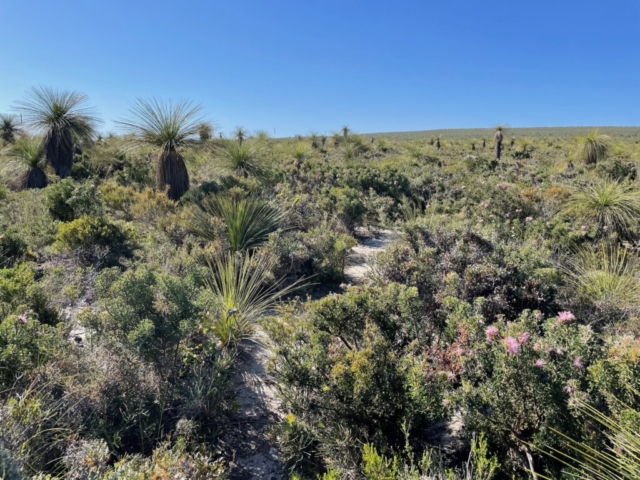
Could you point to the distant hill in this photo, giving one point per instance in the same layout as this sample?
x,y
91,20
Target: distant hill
x,y
558,132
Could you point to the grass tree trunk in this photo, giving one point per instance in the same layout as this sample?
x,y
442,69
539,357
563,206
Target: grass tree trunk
x,y
58,148
438,144
498,142
172,173
33,178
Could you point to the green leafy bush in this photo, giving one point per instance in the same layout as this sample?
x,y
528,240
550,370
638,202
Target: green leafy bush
x,y
88,231
67,200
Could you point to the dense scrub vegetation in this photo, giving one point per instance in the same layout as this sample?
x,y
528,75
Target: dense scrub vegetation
x,y
134,266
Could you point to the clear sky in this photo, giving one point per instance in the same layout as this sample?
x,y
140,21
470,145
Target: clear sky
x,y
302,65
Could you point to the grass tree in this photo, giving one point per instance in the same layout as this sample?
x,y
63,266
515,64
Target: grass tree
x,y
205,130
25,163
607,277
498,137
9,128
169,127
246,291
63,119
248,221
242,158
314,140
345,131
609,204
593,147
240,134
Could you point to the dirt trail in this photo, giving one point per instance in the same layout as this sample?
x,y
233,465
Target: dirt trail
x,y
362,258
255,456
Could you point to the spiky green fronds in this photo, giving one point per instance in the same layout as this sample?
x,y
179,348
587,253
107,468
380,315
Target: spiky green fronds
x,y
607,277
63,118
205,130
345,131
248,221
239,281
608,203
240,133
593,147
9,128
24,161
299,152
163,124
243,159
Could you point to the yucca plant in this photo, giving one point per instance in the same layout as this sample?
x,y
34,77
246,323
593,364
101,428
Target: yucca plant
x,y
345,131
262,135
299,152
619,460
9,128
168,126
63,119
248,221
246,291
243,159
608,203
593,147
240,134
607,277
25,162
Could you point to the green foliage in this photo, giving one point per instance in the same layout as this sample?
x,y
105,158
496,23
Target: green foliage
x,y
243,158
244,292
609,204
248,221
63,119
592,147
67,200
88,231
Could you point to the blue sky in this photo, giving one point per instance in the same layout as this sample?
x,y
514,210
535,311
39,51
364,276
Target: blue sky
x,y
298,66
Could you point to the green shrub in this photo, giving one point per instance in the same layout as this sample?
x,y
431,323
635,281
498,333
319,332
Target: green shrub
x,y
88,231
68,200
12,247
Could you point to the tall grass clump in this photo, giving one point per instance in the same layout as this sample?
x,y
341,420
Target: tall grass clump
x,y
609,203
243,159
169,127
593,147
248,221
607,277
63,119
25,163
245,290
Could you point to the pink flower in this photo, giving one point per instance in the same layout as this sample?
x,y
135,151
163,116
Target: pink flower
x,y
529,219
481,221
568,390
1,237
507,215
491,332
565,317
451,376
577,363
548,224
23,318
536,347
512,345
538,315
584,233
540,363
605,228
395,182
518,210
523,338
584,227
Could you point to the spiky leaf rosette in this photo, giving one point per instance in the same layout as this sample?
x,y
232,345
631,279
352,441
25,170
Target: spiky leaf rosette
x,y
608,203
593,147
9,128
248,221
243,159
24,163
246,291
63,118
168,126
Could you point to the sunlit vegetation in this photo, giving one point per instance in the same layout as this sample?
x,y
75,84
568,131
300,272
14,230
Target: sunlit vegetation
x,y
494,335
